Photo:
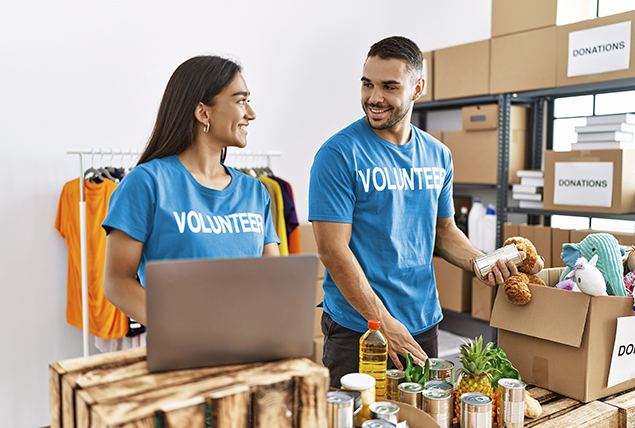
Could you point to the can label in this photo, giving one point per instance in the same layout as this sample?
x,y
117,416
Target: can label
x,y
486,262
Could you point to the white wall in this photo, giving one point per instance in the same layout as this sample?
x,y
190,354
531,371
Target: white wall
x,y
81,74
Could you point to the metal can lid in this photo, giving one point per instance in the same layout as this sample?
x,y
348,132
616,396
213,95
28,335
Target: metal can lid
x,y
439,384
357,396
383,408
395,374
378,423
476,398
338,397
410,387
511,383
436,394
439,364
357,381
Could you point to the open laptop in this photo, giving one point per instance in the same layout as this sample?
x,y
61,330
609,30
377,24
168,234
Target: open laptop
x,y
210,312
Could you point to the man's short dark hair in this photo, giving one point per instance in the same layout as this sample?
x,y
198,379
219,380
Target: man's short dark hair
x,y
399,47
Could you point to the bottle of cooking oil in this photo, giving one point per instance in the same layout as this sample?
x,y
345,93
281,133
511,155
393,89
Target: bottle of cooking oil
x,y
373,354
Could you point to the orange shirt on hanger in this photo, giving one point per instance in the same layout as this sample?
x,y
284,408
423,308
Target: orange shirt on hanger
x,y
105,320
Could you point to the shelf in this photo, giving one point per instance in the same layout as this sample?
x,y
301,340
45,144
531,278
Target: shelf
x,y
516,210
474,186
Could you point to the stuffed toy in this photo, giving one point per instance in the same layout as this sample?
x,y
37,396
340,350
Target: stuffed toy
x,y
609,261
585,277
515,287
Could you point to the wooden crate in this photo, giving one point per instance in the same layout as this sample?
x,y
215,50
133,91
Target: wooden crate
x,y
625,404
116,390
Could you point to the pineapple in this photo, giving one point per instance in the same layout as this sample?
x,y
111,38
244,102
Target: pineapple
x,y
475,375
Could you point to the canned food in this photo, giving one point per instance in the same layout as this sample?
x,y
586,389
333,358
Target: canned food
x,y
385,410
511,403
410,393
364,383
476,410
393,378
439,384
339,409
486,262
357,404
378,423
438,404
441,370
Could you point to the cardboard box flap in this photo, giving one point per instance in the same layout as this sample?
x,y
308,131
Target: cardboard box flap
x,y
536,318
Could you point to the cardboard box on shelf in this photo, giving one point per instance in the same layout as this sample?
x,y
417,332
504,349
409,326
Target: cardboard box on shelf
x,y
524,61
510,229
516,16
562,340
482,300
478,150
559,237
596,181
428,76
541,238
450,64
480,117
454,285
596,50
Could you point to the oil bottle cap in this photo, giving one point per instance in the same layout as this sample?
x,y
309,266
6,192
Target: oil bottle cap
x,y
374,324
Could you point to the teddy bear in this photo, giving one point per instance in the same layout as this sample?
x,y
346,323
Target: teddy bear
x,y
515,287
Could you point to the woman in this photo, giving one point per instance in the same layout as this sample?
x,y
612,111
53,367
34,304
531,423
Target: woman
x,y
181,201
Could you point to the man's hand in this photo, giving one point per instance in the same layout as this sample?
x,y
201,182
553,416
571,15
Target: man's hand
x,y
500,272
401,342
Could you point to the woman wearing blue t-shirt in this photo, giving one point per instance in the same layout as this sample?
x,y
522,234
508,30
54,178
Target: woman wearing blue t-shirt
x,y
181,201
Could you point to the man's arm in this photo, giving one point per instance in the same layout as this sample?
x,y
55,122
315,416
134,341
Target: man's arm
x,y
452,244
332,241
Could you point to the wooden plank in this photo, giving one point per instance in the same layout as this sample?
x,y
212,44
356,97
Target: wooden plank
x,y
229,407
55,394
591,415
625,403
138,406
552,404
104,361
273,404
68,402
310,402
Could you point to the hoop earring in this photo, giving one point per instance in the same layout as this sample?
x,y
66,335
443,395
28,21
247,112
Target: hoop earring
x,y
206,128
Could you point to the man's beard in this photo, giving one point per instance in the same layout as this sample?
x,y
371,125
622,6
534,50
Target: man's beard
x,y
396,116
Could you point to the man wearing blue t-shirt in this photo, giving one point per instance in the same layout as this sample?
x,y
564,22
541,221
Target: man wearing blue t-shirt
x,y
380,201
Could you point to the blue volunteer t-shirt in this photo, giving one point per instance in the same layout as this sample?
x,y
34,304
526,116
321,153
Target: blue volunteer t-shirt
x,y
392,195
162,205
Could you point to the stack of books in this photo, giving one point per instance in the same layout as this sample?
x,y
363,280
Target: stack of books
x,y
529,191
611,131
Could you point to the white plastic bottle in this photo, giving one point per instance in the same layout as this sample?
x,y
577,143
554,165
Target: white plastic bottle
x,y
475,222
489,229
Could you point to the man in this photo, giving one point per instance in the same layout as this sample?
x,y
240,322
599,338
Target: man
x,y
380,200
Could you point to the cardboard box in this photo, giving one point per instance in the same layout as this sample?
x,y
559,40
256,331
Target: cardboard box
x,y
454,285
480,117
562,340
510,230
559,237
626,239
622,195
514,16
477,151
428,76
524,61
450,64
594,56
436,134
482,300
541,238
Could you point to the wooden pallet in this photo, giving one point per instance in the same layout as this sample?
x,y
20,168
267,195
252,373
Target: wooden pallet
x,y
116,390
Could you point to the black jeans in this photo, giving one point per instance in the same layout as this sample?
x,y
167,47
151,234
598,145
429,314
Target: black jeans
x,y
341,348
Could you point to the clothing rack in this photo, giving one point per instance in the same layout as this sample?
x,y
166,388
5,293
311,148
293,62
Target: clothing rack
x,y
82,228
267,155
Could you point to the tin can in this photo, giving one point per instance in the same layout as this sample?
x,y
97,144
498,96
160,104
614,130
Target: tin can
x,y
441,370
438,404
476,410
364,383
410,393
439,384
486,262
357,404
339,409
393,378
378,423
385,410
511,403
